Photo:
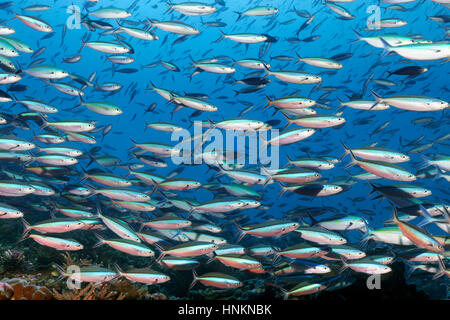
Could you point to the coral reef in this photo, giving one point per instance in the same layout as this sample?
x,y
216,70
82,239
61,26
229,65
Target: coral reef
x,y
115,290
252,289
13,260
90,292
70,261
23,289
6,291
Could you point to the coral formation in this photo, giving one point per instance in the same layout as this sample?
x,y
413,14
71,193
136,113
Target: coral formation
x,y
91,291
23,289
13,260
6,291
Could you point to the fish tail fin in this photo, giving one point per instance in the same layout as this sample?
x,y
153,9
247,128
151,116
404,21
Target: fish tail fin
x,y
268,174
377,96
344,154
99,212
15,16
195,279
289,160
239,230
367,234
267,70
152,84
170,4
85,173
378,99
426,162
134,144
25,235
83,45
427,218
276,256
26,228
100,242
394,218
269,102
283,190
354,160
374,188
211,259
441,271
386,46
358,35
264,142
284,293
160,248
118,269
299,59
44,122
61,271
411,269
222,170
222,36
313,221
446,213
289,120
155,187
344,265
239,16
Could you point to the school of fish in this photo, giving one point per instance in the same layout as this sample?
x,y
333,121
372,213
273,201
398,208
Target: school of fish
x,y
64,177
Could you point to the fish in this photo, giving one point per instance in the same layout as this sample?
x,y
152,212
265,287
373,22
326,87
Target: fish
x,y
413,103
416,235
157,140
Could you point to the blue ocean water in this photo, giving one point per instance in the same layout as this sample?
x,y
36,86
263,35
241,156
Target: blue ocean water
x,y
362,64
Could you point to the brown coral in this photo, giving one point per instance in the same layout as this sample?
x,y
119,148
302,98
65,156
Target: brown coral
x,y
6,291
90,292
69,261
25,290
156,296
113,290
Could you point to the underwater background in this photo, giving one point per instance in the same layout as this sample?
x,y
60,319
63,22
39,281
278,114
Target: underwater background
x,y
31,270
